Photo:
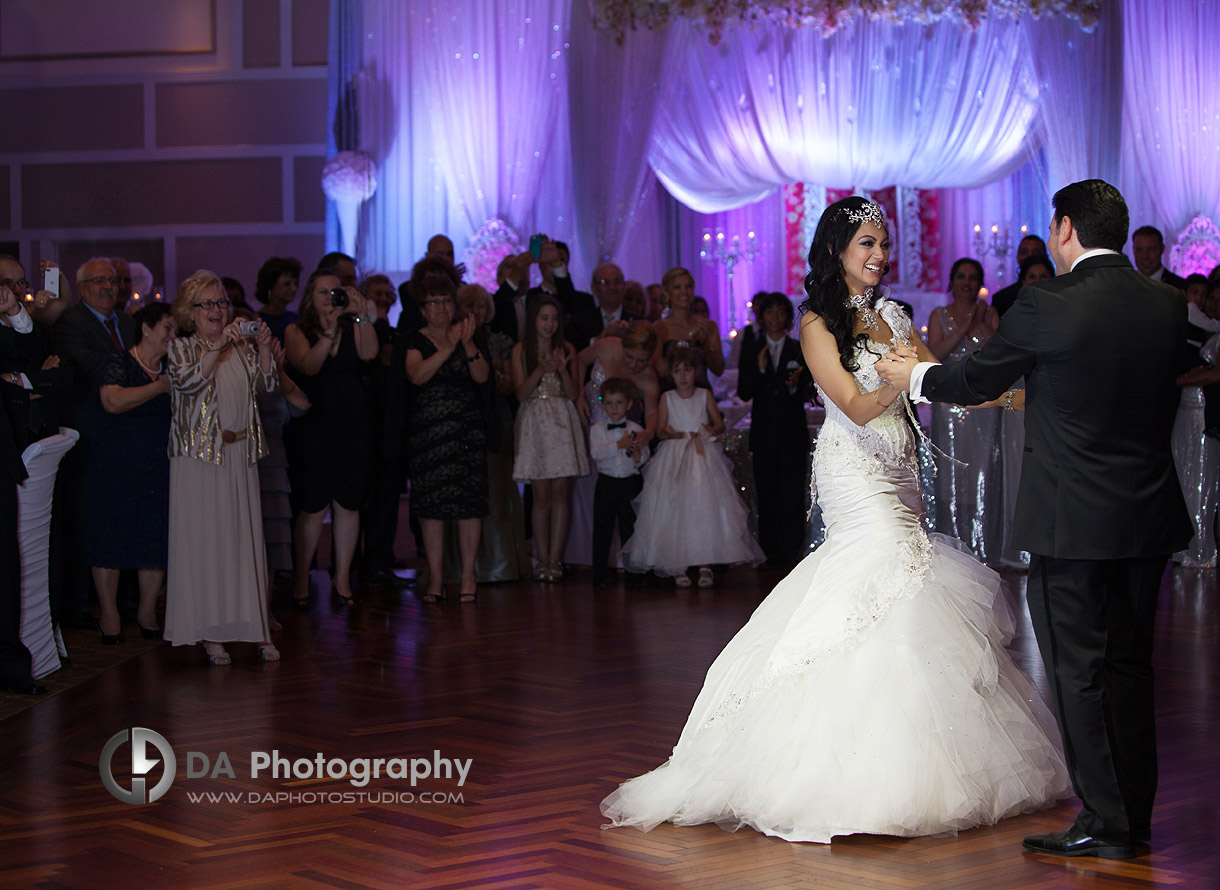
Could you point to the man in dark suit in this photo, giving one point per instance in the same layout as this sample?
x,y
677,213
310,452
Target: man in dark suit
x,y
773,374
509,298
1099,506
1148,247
86,336
557,279
514,292
609,318
1030,245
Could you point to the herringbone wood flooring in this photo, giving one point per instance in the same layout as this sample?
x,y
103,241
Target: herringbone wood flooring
x,y
556,694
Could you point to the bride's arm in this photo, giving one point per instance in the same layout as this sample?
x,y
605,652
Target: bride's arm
x,y
822,356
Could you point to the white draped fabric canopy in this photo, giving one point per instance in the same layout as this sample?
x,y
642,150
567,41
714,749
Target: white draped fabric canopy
x,y
520,110
872,105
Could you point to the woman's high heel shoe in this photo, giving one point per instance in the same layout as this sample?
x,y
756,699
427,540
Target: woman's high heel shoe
x,y
216,654
112,639
151,633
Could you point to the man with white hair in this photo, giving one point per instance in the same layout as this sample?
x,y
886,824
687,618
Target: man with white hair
x,y
86,336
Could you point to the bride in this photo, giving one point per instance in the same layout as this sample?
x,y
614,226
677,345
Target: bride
x,y
870,692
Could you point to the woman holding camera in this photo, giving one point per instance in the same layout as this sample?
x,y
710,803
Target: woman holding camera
x,y
327,349
216,590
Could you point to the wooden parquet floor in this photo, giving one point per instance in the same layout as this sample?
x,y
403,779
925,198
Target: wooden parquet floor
x,y
555,694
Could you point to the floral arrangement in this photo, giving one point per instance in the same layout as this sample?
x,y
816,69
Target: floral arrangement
x,y
494,240
715,15
1197,248
349,176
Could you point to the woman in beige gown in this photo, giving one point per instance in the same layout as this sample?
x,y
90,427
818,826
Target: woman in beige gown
x,y
216,587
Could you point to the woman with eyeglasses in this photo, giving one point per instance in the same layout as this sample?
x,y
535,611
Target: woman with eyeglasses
x,y
216,588
328,350
446,437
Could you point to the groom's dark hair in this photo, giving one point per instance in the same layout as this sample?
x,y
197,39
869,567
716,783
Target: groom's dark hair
x,y
1097,211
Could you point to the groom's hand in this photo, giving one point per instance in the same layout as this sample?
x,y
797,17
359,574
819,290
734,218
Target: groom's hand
x,y
895,369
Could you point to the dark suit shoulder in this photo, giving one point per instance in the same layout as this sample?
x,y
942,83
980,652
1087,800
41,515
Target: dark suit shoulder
x,y
1173,280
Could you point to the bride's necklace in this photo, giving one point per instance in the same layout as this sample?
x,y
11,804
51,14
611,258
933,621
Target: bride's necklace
x,y
863,304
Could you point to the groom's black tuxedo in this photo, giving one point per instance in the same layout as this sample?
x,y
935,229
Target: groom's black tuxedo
x,y
1101,346
1099,507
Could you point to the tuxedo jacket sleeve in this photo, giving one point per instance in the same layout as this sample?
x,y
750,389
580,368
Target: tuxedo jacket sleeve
x,y
1100,347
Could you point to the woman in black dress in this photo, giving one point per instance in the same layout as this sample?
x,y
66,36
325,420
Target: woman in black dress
x,y
327,351
127,501
446,439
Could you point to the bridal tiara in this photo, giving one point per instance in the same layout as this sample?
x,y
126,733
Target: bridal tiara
x,y
870,212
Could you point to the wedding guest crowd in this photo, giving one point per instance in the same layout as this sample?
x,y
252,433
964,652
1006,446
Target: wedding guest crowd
x,y
214,441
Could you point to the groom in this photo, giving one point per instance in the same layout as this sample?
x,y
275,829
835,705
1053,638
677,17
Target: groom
x,y
1099,507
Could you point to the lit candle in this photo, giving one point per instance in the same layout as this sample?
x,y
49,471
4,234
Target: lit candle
x,y
995,230
977,229
1024,229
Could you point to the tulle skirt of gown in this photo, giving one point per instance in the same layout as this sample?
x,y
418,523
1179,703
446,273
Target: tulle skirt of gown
x,y
869,693
689,513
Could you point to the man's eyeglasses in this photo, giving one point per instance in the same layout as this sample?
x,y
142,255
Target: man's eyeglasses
x,y
100,281
438,301
21,287
610,282
213,304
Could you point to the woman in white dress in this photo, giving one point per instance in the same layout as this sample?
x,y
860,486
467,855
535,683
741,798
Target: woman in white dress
x,y
870,692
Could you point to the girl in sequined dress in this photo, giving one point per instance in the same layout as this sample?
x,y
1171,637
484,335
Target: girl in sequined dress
x,y
548,440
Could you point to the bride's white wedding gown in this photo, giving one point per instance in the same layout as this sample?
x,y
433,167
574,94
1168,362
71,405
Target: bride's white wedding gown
x,y
870,692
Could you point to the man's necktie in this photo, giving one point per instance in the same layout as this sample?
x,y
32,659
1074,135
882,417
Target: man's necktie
x,y
617,426
114,334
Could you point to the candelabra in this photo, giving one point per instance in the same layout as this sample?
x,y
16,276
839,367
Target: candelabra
x,y
997,246
727,251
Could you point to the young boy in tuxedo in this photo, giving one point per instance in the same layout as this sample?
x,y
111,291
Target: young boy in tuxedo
x,y
615,444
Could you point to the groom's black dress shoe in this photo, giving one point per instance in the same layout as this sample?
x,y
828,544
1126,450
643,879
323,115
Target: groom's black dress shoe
x,y
1074,842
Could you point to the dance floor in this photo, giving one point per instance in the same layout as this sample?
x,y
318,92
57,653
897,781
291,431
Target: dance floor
x,y
553,694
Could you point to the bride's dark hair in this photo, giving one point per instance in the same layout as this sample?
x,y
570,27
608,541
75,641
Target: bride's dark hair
x,y
827,292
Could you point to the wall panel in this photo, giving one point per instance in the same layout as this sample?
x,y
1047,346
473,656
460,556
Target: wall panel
x,y
243,112
147,193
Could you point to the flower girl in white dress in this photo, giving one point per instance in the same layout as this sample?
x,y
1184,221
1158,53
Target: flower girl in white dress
x,y
870,692
689,513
